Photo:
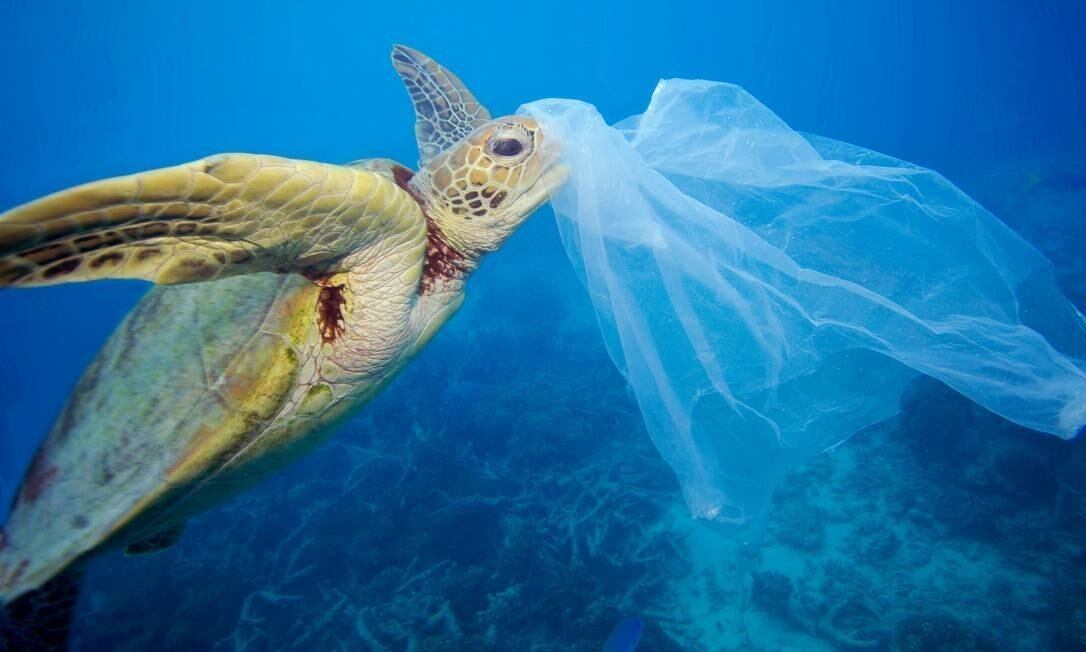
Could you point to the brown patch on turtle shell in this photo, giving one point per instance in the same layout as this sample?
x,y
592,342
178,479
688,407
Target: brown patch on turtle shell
x,y
60,269
443,261
105,239
111,258
330,319
88,242
150,252
152,230
38,479
48,254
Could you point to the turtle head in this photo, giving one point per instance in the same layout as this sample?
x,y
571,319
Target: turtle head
x,y
482,188
479,177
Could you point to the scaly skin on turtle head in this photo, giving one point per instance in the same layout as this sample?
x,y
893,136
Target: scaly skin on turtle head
x,y
477,192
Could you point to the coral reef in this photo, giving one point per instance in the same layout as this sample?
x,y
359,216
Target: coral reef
x,y
937,633
503,495
772,591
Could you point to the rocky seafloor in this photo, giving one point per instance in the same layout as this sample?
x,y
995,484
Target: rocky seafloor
x,y
503,495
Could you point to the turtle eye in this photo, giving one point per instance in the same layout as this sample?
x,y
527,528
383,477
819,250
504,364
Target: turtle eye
x,y
506,146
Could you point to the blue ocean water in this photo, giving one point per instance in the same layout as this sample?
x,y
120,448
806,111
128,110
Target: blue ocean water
x,y
503,493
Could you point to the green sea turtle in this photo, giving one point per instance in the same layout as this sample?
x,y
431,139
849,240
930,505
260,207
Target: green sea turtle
x,y
287,294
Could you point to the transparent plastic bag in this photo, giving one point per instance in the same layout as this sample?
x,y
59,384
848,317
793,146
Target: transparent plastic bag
x,y
767,294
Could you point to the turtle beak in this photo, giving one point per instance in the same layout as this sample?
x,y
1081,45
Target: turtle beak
x,y
554,172
544,188
553,178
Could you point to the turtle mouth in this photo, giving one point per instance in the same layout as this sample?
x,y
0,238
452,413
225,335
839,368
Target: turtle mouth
x,y
552,177
545,187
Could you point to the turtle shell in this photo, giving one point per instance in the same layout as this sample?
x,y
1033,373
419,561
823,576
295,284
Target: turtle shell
x,y
184,384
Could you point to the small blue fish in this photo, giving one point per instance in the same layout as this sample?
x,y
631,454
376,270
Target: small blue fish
x,y
625,636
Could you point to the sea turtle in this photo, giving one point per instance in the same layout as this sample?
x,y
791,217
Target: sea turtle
x,y
287,294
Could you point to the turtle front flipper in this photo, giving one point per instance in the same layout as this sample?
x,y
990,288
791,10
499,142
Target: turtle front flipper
x,y
221,216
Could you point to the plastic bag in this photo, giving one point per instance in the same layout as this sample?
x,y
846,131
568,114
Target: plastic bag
x,y
767,294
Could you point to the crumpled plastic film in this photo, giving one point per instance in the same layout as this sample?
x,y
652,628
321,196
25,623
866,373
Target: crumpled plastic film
x,y
768,293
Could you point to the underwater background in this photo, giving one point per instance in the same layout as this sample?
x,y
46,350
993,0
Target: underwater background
x,y
503,494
